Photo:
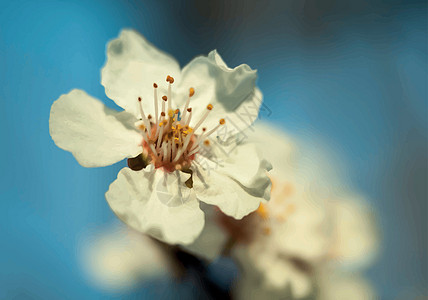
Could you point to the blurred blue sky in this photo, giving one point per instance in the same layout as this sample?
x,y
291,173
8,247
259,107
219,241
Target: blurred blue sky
x,y
354,73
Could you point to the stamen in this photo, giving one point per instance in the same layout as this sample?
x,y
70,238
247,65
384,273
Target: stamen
x,y
155,97
149,128
143,116
169,149
193,151
191,93
171,81
164,98
190,116
221,122
161,125
172,141
185,144
209,108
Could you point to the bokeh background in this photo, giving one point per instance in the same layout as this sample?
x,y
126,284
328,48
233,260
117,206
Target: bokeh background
x,y
352,73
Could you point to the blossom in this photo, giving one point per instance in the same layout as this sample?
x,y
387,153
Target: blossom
x,y
169,131
119,258
312,228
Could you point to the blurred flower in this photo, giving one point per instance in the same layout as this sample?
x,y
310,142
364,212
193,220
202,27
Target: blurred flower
x,y
308,228
336,285
119,259
173,163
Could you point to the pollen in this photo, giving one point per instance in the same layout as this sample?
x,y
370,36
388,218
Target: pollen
x,y
262,211
170,79
171,136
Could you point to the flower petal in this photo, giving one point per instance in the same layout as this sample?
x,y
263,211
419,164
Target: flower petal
x,y
305,233
118,259
92,132
158,204
334,285
245,164
234,178
232,92
356,238
217,189
133,65
212,239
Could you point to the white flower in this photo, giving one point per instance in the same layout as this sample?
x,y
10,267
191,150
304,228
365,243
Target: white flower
x,y
334,285
118,259
309,225
168,135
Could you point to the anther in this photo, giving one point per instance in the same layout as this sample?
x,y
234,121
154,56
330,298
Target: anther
x,y
209,106
170,79
221,122
189,109
164,98
155,85
191,92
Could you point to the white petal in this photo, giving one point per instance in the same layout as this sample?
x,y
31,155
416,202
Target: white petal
x,y
133,65
356,239
278,148
246,164
212,239
158,204
120,259
232,92
281,274
234,179
305,232
338,286
94,133
217,189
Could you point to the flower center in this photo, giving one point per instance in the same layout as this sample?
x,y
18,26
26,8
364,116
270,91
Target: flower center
x,y
168,139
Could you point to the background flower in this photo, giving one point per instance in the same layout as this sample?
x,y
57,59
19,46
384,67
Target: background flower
x,y
311,225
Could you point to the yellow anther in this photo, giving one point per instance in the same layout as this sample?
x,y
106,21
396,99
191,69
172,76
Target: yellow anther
x,y
222,122
191,92
206,142
262,211
209,106
170,113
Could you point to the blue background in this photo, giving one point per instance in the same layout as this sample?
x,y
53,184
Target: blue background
x,y
353,73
